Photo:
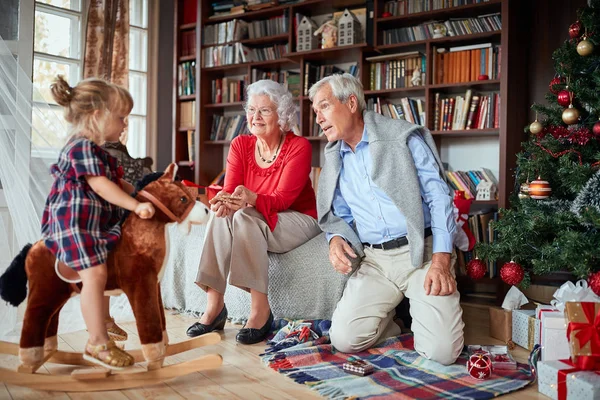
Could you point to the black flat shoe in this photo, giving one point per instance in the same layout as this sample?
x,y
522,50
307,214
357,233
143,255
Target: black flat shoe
x,y
252,335
217,325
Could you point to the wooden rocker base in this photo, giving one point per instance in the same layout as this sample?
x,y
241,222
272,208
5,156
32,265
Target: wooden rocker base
x,y
91,380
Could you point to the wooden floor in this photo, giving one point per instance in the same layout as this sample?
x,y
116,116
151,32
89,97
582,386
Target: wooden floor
x,y
242,376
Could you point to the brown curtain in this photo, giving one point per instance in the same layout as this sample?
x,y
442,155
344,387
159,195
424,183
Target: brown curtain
x,y
107,43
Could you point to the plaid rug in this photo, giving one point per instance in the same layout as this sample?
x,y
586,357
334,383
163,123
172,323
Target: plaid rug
x,y
400,373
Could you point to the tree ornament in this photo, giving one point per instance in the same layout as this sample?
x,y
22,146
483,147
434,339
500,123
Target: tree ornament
x,y
523,190
479,366
594,282
540,189
596,129
571,115
564,98
556,81
512,273
476,269
575,30
585,48
536,127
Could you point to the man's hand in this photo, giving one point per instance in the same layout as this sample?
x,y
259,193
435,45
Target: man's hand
x,y
339,251
439,280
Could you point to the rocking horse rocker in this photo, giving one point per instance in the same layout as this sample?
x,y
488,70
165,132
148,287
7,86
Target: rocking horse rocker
x,y
135,267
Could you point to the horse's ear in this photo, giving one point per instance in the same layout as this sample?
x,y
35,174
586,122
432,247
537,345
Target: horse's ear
x,y
170,172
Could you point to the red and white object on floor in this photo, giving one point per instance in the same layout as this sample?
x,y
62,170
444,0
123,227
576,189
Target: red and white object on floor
x,y
479,365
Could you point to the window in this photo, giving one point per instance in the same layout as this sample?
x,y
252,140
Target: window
x,y
138,77
57,50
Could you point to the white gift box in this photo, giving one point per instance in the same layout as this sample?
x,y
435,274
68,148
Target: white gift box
x,y
522,322
582,385
553,334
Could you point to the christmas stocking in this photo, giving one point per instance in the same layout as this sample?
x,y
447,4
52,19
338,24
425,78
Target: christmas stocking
x,y
464,239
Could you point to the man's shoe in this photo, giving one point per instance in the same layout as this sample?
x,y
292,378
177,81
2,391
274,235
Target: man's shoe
x,y
252,335
217,325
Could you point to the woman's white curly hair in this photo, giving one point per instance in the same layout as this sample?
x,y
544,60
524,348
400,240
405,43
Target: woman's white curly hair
x,y
280,96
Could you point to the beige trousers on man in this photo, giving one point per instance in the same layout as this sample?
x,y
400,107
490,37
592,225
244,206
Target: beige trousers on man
x,y
364,314
236,246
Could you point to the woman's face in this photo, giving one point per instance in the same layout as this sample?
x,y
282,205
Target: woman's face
x,y
262,116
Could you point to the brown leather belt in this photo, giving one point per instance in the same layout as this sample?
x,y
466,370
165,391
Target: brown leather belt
x,y
395,243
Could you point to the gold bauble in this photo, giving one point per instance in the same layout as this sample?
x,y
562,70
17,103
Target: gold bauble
x,y
570,115
524,191
536,127
585,48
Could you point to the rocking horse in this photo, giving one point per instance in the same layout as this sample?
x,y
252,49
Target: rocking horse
x,y
135,267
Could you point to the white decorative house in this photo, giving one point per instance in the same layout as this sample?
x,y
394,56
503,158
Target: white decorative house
x,y
305,39
486,191
349,32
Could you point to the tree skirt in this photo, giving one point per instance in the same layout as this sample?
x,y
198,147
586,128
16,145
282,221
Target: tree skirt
x,y
400,372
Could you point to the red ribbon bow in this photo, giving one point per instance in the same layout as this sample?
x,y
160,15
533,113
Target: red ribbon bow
x,y
587,332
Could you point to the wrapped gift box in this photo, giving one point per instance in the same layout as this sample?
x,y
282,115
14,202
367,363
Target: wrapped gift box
x,y
583,338
581,385
523,328
553,336
500,324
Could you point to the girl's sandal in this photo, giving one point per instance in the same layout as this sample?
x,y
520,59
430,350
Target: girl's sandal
x,y
115,332
115,359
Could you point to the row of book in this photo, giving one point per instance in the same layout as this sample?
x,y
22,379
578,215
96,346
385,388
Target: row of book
x,y
404,7
397,70
187,114
237,53
233,7
186,78
466,63
314,73
467,181
411,110
187,43
268,27
224,32
439,4
228,90
455,27
290,79
227,128
472,111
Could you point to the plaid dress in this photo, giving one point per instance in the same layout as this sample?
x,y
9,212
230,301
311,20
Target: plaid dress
x,y
78,226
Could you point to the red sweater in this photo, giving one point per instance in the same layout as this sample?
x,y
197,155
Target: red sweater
x,y
284,185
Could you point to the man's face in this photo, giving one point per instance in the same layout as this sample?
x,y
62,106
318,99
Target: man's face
x,y
334,117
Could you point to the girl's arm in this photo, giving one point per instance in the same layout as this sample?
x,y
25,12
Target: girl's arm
x,y
112,193
127,187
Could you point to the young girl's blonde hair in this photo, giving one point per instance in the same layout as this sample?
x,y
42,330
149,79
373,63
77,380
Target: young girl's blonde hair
x,y
88,105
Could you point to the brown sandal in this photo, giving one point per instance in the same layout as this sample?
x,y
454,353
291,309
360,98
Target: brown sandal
x,y
116,358
115,332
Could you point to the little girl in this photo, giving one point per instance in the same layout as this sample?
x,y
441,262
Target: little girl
x,y
81,221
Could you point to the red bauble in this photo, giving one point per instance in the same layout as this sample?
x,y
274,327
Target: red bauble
x,y
596,129
594,282
564,98
512,273
386,15
476,269
575,30
556,81
479,366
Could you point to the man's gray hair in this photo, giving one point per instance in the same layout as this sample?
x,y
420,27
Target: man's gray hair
x,y
342,86
286,110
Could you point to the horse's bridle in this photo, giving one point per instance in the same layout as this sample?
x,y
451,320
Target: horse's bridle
x,y
157,203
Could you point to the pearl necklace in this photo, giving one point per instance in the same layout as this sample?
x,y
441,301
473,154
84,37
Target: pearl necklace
x,y
274,155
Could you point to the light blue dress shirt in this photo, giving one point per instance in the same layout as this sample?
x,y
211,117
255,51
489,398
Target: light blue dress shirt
x,y
358,200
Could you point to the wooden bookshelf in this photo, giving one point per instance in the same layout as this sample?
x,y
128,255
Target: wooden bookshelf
x,y
209,154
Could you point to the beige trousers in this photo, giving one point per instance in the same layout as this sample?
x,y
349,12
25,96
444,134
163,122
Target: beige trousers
x,y
364,314
237,245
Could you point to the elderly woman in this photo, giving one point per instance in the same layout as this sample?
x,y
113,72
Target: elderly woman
x,y
267,204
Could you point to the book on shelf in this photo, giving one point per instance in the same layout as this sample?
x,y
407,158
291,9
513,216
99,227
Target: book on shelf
x,y
186,78
397,71
439,4
466,63
467,181
473,111
187,43
227,128
408,109
187,114
190,8
191,145
228,90
225,32
313,73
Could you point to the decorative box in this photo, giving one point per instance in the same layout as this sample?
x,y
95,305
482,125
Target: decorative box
x,y
358,367
523,328
579,385
500,324
584,338
553,336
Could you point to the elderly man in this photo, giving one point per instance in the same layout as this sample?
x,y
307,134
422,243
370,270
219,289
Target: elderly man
x,y
386,208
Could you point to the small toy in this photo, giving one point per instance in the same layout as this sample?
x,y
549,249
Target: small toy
x,y
358,367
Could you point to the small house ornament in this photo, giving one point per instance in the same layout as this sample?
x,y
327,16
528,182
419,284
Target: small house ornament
x,y
349,32
305,38
486,191
328,32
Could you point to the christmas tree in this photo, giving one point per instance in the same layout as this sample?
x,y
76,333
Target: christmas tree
x,y
554,220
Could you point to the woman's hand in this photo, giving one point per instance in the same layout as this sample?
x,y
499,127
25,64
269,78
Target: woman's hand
x,y
220,204
242,197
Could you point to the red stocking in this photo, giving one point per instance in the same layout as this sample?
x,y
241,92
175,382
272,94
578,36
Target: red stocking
x,y
464,240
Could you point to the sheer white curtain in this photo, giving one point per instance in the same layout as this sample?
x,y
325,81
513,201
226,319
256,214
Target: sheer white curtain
x,y
27,130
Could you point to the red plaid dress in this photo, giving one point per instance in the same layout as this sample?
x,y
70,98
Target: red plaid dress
x,y
78,226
